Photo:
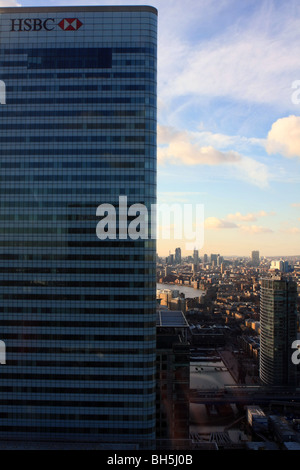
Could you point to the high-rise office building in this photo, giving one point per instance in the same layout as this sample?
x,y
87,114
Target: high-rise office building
x,y
278,324
220,260
255,259
214,259
170,259
196,256
77,314
177,255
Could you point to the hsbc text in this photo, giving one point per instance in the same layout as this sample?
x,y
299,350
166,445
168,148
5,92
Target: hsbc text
x,y
32,24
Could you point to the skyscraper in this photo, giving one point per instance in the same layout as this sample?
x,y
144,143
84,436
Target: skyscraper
x,y
214,259
255,260
77,314
177,255
278,323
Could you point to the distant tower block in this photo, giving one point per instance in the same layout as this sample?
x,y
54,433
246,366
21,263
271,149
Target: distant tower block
x,y
255,260
278,323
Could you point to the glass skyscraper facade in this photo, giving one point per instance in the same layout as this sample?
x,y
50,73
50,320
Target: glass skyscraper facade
x,y
278,323
77,314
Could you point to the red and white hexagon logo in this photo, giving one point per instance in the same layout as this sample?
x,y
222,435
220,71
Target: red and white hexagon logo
x,y
70,24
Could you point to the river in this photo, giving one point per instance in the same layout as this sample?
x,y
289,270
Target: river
x,y
189,292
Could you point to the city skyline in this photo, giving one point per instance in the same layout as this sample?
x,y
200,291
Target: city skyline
x,y
228,104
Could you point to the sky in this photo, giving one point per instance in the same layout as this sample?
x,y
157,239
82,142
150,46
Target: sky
x,y
228,119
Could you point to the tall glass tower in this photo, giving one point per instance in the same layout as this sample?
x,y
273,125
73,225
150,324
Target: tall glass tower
x,y
77,314
278,323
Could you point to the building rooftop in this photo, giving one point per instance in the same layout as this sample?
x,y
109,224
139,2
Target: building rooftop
x,y
105,8
171,319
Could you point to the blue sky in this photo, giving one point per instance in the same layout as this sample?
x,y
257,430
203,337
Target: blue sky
x,y
228,118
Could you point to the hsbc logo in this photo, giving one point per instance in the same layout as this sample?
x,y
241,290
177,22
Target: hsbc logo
x,y
70,24
37,24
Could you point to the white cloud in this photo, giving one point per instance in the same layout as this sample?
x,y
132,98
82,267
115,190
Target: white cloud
x,y
182,147
185,148
255,229
231,70
292,230
284,137
243,218
250,65
9,3
250,217
253,171
171,197
213,223
224,141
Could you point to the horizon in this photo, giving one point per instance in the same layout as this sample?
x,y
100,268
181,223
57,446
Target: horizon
x,y
237,256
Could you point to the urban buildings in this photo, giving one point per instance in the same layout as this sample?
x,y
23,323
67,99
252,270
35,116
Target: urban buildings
x,y
78,315
170,259
278,325
281,266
